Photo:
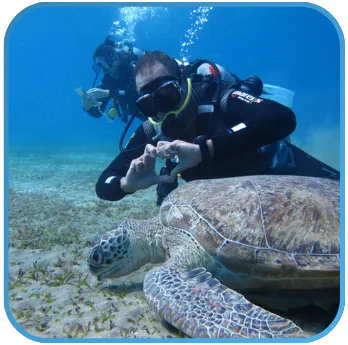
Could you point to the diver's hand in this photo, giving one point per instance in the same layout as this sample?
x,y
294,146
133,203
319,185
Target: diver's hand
x,y
90,103
90,99
97,93
189,155
141,173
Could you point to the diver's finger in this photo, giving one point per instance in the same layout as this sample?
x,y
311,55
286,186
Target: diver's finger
x,y
94,93
90,92
167,152
94,89
162,142
139,165
176,144
160,153
132,165
170,155
150,150
91,95
177,170
149,161
163,149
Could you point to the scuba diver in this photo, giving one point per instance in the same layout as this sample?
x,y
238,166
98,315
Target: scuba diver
x,y
206,123
116,61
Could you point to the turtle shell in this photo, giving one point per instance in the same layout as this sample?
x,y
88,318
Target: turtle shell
x,y
279,231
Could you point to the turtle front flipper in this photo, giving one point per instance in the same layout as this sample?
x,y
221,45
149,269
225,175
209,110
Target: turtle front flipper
x,y
201,307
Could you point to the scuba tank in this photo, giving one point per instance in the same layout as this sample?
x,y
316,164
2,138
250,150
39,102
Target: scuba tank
x,y
272,92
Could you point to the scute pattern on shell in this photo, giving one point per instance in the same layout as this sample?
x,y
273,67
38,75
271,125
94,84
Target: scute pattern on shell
x,y
283,227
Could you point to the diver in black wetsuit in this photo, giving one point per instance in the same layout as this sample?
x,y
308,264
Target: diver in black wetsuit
x,y
205,128
117,62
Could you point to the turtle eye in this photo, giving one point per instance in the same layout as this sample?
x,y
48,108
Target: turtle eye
x,y
96,257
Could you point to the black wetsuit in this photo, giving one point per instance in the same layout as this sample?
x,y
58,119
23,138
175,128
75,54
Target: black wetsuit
x,y
251,150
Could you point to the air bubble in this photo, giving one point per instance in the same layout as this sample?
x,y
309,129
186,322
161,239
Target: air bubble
x,y
124,29
198,17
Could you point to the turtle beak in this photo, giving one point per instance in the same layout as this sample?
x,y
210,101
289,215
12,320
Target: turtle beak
x,y
95,260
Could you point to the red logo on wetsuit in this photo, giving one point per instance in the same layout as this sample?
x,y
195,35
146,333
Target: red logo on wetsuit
x,y
245,97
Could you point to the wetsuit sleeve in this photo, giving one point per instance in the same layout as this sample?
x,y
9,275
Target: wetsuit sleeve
x,y
252,123
108,184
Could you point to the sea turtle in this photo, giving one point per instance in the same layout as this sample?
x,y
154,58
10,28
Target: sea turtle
x,y
271,236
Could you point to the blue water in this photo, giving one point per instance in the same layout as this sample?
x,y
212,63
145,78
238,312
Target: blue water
x,y
57,151
49,54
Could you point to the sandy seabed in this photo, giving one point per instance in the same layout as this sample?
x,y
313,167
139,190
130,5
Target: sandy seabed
x,y
54,220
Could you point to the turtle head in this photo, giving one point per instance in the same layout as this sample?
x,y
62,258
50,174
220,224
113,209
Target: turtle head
x,y
111,257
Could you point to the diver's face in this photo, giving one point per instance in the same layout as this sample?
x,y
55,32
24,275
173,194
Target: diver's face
x,y
159,91
107,66
101,65
150,81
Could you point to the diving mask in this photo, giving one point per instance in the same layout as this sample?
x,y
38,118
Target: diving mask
x,y
166,125
101,66
165,97
173,123
106,63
